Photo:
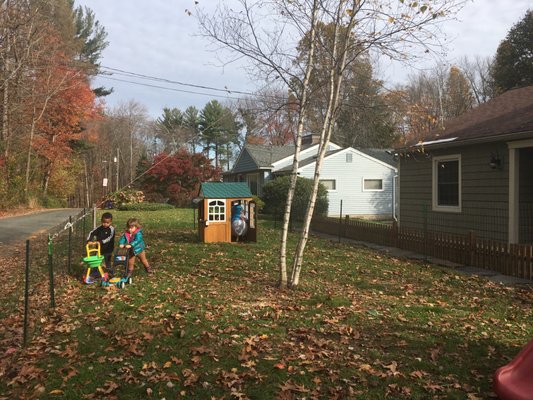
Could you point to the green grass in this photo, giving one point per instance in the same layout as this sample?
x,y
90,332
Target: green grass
x,y
211,324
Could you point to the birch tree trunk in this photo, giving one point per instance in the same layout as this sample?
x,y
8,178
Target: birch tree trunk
x,y
338,64
302,103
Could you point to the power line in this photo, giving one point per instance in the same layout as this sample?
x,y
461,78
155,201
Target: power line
x,y
155,78
167,88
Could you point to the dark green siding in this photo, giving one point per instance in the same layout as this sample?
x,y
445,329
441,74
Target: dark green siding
x,y
245,163
485,193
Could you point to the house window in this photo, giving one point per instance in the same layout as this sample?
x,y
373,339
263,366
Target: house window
x,y
330,184
216,210
372,185
447,183
252,183
348,157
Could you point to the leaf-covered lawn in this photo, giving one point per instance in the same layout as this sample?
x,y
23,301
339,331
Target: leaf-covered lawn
x,y
211,324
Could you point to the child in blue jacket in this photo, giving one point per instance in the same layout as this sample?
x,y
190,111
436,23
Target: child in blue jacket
x,y
133,238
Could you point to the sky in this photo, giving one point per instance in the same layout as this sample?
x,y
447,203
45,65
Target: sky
x,y
158,38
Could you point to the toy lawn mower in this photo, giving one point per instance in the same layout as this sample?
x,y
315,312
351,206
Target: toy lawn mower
x,y
94,261
118,276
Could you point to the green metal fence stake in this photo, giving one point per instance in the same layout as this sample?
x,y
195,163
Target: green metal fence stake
x,y
51,271
69,245
425,232
26,295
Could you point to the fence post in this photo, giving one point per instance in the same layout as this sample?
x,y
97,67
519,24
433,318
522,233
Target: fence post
x,y
94,216
346,223
51,272
471,248
395,234
69,261
26,295
340,223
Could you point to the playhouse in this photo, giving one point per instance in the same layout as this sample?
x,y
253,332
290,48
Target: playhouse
x,y
218,203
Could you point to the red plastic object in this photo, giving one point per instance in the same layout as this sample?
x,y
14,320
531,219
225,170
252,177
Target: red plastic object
x,y
514,381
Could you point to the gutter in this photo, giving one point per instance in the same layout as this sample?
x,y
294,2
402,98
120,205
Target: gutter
x,y
466,142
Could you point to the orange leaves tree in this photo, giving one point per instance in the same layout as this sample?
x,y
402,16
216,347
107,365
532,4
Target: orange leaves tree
x,y
45,97
63,123
178,177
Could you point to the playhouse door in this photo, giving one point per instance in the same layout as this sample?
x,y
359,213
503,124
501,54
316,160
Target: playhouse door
x,y
251,236
217,223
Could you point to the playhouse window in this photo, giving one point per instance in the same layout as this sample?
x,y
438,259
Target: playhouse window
x,y
447,183
217,210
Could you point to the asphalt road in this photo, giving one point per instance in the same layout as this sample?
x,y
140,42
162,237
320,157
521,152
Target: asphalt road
x,y
19,228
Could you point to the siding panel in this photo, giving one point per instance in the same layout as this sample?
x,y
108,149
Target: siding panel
x,y
349,184
485,193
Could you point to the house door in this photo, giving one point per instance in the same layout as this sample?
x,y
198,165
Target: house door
x,y
521,191
525,196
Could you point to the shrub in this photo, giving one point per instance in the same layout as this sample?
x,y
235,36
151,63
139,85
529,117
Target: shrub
x,y
275,197
145,207
126,196
259,203
178,177
51,202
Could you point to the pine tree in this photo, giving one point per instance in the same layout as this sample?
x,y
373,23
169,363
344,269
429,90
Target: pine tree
x,y
513,65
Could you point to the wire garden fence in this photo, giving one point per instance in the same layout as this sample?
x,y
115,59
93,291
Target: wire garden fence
x,y
50,256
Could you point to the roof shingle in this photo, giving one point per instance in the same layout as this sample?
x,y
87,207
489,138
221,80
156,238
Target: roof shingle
x,y
511,112
225,190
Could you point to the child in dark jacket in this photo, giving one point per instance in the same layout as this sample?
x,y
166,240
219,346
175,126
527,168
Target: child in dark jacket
x,y
105,235
133,238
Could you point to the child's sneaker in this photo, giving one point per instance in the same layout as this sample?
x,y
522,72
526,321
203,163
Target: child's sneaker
x,y
148,270
90,280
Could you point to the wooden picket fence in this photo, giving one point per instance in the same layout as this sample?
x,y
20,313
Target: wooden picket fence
x,y
515,259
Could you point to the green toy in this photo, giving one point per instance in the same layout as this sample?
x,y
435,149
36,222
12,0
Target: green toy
x,y
93,260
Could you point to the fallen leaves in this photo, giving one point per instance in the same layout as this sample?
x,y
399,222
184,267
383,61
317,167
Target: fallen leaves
x,y
213,323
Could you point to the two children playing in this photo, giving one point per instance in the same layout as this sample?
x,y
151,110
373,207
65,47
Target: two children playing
x,y
132,238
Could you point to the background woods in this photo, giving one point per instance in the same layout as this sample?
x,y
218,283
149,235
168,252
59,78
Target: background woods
x,y
59,142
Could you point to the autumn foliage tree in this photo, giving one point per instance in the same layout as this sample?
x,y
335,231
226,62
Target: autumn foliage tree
x,y
46,100
178,177
62,124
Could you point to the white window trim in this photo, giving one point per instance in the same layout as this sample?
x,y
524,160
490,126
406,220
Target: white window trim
x,y
223,215
435,206
327,179
373,179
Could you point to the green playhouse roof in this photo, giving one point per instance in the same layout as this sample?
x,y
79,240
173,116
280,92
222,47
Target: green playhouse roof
x,y
225,190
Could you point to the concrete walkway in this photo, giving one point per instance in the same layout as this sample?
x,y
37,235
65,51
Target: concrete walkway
x,y
451,266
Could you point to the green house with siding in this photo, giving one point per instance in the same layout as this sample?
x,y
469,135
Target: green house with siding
x,y
475,175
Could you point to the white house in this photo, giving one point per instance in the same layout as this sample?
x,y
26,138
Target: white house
x,y
364,179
